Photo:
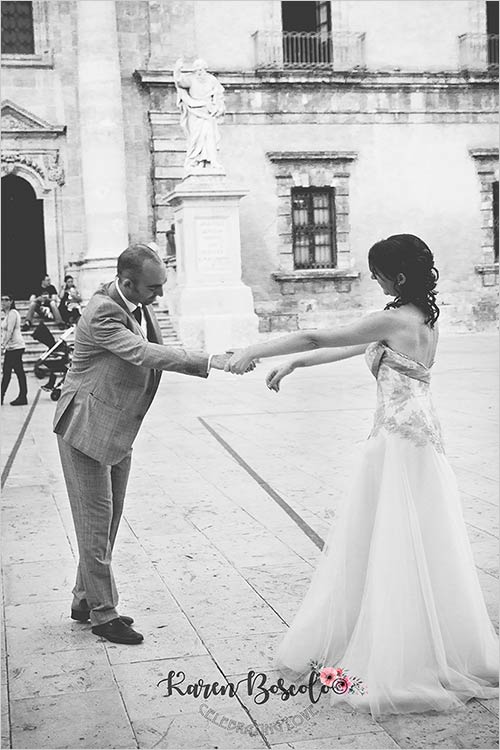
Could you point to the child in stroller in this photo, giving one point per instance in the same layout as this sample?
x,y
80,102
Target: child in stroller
x,y
55,361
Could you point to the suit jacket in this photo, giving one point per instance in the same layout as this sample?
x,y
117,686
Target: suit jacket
x,y
113,378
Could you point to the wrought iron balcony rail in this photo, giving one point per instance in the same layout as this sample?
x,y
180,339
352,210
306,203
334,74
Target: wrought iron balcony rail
x,y
478,51
309,50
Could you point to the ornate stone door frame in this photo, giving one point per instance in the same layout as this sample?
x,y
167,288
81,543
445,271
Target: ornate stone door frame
x,y
26,153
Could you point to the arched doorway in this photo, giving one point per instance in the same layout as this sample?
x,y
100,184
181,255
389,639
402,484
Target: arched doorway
x,y
23,238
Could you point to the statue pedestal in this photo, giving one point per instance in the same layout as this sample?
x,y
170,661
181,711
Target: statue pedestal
x,y
210,307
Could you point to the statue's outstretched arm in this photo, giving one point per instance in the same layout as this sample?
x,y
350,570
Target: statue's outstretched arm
x,y
182,81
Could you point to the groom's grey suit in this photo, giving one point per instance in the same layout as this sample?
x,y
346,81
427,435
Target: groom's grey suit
x,y
114,376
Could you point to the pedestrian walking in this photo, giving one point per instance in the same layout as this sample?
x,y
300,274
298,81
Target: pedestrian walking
x,y
13,347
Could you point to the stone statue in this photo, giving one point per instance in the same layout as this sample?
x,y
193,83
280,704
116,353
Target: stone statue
x,y
200,98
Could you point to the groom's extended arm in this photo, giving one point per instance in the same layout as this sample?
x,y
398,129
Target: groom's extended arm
x,y
105,327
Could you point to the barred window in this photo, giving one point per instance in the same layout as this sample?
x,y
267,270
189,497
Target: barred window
x,y
17,28
313,227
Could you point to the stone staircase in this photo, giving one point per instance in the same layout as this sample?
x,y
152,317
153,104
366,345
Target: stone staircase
x,y
34,349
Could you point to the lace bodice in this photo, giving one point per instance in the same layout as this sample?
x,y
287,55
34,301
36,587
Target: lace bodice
x,y
404,401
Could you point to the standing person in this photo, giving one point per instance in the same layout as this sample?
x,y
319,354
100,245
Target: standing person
x,y
70,299
395,599
13,346
117,362
43,303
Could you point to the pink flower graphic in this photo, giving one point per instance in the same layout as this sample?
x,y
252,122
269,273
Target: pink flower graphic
x,y
328,675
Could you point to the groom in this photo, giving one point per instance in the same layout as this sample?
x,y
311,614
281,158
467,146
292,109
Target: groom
x,y
115,372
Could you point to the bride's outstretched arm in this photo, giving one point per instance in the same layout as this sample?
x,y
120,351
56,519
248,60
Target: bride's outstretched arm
x,y
328,355
373,327
276,375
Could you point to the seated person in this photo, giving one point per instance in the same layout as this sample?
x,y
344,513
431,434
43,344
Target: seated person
x,y
44,304
69,306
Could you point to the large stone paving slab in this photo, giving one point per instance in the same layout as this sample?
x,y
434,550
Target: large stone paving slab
x,y
93,719
223,730
44,628
235,655
39,581
43,675
166,636
472,726
366,741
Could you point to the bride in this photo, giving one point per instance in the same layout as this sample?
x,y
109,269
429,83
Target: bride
x,y
395,603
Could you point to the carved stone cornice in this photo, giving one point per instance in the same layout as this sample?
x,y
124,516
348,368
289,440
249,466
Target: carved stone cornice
x,y
362,79
308,156
11,159
45,164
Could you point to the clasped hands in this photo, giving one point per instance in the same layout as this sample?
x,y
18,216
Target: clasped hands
x,y
234,361
239,362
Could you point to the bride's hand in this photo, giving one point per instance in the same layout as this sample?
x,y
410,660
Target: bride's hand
x,y
276,375
240,362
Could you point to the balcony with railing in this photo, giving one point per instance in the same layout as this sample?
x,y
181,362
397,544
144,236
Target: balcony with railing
x,y
309,50
478,52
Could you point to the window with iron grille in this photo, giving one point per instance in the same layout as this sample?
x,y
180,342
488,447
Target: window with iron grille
x,y
17,28
313,227
495,221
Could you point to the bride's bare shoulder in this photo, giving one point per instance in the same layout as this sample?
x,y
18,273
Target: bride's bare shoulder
x,y
408,314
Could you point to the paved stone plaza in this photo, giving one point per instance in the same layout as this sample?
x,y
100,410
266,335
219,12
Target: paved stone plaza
x,y
211,561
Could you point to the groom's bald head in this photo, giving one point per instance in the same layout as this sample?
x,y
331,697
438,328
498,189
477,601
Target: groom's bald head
x,y
131,261
141,273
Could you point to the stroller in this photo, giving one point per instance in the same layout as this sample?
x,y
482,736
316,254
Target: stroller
x,y
55,362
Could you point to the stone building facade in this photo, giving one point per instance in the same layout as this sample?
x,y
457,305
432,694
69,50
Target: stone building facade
x,y
346,121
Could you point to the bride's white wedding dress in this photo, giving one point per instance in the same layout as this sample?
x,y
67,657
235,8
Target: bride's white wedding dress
x,y
396,599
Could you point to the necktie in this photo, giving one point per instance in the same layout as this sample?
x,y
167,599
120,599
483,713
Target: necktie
x,y
138,313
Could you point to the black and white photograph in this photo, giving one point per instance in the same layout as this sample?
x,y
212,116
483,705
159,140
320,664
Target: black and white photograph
x,y
249,349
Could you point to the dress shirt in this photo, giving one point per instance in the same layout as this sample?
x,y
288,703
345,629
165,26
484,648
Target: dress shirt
x,y
131,306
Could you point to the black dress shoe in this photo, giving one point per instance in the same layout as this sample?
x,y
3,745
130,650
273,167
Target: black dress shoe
x,y
19,401
83,615
117,632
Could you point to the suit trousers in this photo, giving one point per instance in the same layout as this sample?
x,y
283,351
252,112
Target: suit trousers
x,y
96,494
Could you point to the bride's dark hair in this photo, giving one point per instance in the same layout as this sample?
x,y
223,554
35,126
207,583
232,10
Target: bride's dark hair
x,y
409,255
